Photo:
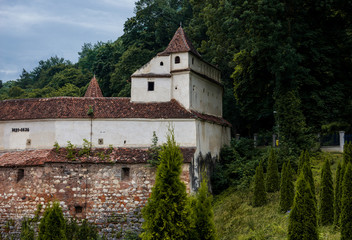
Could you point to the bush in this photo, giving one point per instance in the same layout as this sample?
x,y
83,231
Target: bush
x,y
27,232
52,226
236,166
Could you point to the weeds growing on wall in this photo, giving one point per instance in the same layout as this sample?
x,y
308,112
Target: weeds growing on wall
x,y
153,151
86,149
70,148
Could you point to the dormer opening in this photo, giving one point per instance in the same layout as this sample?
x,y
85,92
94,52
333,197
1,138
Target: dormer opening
x,y
177,60
150,86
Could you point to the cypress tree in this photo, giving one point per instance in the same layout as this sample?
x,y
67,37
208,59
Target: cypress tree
x,y
346,204
326,208
286,188
259,196
52,226
204,215
337,199
303,216
167,213
347,152
307,172
272,176
300,162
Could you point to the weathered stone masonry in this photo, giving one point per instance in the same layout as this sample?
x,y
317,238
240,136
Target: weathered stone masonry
x,y
109,194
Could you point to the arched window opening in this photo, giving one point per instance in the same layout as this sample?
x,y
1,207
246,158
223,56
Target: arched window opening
x,y
177,60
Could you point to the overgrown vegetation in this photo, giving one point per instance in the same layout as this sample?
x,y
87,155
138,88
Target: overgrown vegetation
x,y
236,217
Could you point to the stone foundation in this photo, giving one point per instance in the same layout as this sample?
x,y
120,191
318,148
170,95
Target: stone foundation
x,y
110,195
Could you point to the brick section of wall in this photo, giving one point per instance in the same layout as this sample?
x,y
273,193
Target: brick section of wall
x,y
106,197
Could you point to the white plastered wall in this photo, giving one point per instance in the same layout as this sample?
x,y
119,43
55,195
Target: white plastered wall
x,y
199,66
161,93
116,132
155,66
211,137
41,134
181,88
183,61
206,96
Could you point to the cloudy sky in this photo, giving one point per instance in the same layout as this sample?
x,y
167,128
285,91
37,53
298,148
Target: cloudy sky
x,y
34,30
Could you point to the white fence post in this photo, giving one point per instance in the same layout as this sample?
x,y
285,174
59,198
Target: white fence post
x,y
342,139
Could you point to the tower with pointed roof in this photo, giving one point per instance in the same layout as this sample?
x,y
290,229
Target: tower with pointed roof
x,y
179,73
93,89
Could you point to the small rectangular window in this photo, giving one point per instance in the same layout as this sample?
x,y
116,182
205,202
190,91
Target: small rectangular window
x,y
78,209
125,174
20,174
150,86
28,142
100,141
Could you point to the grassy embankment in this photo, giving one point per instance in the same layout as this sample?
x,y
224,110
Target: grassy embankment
x,y
235,218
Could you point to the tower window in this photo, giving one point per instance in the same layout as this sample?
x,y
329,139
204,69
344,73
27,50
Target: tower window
x,y
125,174
177,59
161,64
150,86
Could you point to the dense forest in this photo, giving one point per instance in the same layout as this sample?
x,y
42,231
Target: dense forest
x,y
283,63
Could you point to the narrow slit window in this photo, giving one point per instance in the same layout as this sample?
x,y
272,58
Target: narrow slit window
x,y
20,174
177,59
78,209
125,174
150,86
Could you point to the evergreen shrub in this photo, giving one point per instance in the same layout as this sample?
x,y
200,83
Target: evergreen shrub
x,y
52,226
167,213
326,203
272,176
203,213
286,188
303,216
259,194
346,204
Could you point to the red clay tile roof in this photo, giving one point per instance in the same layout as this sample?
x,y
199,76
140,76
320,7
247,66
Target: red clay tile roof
x,y
93,89
117,155
179,43
112,107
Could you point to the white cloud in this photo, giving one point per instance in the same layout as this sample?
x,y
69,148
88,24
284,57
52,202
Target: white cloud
x,y
33,30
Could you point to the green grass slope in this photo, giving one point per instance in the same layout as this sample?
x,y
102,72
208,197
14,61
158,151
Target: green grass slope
x,y
235,218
